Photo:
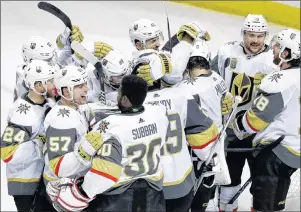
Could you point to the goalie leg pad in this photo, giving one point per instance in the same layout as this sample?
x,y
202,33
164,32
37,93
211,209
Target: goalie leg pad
x,y
270,183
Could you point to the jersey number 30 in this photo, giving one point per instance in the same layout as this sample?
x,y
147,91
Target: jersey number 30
x,y
145,160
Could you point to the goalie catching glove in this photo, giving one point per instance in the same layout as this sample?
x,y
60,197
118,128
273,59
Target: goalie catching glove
x,y
67,195
90,144
194,31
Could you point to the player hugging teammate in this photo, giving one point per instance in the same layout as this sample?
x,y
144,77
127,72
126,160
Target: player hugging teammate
x,y
147,133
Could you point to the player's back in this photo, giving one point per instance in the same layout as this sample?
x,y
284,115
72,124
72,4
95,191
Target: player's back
x,y
178,169
208,90
135,140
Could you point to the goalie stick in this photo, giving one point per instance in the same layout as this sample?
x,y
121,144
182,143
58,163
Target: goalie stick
x,y
56,12
80,49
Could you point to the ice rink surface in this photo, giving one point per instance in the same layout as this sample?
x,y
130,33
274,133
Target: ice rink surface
x,y
100,21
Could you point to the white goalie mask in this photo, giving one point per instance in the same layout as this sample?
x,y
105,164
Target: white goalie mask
x,y
290,39
68,77
144,30
38,71
115,67
38,48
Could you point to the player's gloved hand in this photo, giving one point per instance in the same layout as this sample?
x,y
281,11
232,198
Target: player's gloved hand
x,y
257,79
90,144
194,31
73,34
67,195
101,49
144,71
227,103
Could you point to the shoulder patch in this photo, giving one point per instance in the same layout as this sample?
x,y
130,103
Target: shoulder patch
x,y
275,77
23,108
103,126
63,112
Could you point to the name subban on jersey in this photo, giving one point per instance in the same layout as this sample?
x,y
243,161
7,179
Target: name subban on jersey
x,y
144,131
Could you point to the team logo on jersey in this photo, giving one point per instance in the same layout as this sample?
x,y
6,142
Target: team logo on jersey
x,y
242,86
33,45
275,77
63,112
233,63
103,126
23,108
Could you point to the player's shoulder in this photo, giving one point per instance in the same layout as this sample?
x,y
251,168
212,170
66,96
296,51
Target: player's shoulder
x,y
278,81
61,117
229,48
26,113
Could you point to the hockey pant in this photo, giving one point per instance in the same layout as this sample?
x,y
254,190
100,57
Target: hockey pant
x,y
180,204
138,197
270,182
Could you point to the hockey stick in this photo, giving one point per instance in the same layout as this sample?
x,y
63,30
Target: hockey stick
x,y
270,146
168,28
56,12
80,49
237,101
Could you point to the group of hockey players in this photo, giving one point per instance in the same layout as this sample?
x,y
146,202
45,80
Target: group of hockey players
x,y
157,142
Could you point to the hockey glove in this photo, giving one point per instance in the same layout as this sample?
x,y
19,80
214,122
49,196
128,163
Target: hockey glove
x,y
74,34
257,79
90,144
194,31
144,71
101,49
238,128
227,103
67,195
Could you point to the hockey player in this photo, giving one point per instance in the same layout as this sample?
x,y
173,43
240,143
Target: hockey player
x,y
275,112
146,37
210,91
24,136
127,169
238,64
188,124
36,48
67,154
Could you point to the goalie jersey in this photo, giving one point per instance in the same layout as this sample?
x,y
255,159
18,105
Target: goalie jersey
x,y
238,70
276,112
65,127
21,146
131,151
188,125
208,90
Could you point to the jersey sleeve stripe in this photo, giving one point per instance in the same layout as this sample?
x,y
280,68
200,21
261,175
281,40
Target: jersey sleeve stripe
x,y
203,139
8,152
106,168
103,174
56,164
254,122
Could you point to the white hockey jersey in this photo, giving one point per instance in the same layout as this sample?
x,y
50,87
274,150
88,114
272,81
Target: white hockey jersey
x,y
65,127
238,70
131,151
21,146
188,126
275,112
208,90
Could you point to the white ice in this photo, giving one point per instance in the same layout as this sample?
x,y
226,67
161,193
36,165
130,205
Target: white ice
x,y
99,21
